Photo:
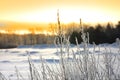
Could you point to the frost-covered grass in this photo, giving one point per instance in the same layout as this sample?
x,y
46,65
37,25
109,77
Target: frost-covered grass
x,y
62,62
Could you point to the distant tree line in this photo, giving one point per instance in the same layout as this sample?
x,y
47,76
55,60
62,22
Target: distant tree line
x,y
98,34
14,40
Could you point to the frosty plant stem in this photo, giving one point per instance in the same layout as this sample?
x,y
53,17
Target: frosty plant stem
x,y
2,77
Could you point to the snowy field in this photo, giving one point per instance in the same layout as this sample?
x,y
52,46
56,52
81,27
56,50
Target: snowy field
x,y
9,58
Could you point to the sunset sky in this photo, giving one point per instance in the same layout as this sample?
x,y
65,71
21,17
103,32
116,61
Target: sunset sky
x,y
70,10
44,11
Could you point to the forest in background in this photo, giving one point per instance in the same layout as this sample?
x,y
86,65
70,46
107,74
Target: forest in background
x,y
98,34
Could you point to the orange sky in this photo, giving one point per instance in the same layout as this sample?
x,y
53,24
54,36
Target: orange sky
x,y
70,10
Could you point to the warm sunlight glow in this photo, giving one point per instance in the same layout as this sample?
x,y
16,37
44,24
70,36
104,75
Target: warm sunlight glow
x,y
22,32
3,31
47,33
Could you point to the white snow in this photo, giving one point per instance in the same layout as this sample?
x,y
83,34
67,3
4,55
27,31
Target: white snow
x,y
9,58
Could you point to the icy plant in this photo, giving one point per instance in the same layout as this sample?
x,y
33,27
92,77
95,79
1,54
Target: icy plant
x,y
2,77
86,65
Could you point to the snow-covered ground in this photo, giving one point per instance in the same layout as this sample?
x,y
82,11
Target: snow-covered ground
x,y
9,58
